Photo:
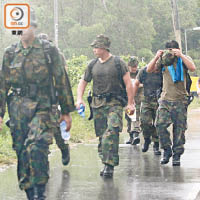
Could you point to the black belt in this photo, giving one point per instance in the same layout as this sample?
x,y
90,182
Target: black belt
x,y
31,91
109,96
19,91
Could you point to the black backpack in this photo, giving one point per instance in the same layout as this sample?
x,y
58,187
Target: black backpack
x,y
190,96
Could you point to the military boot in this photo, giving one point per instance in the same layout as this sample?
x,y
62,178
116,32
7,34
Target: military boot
x,y
102,171
130,139
147,142
39,191
65,155
108,172
156,149
176,160
29,193
136,139
166,155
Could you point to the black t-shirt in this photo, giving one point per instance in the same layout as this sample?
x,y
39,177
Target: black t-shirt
x,y
105,76
152,82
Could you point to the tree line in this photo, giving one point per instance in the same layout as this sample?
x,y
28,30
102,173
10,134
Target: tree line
x,y
135,27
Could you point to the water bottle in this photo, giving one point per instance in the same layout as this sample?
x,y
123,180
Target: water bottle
x,y
132,117
65,134
81,110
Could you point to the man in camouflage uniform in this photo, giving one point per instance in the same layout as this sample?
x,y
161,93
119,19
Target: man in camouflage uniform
x,y
133,127
62,145
152,84
173,102
106,102
25,87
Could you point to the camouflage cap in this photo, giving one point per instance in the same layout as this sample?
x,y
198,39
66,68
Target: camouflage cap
x,y
168,58
133,61
33,21
101,41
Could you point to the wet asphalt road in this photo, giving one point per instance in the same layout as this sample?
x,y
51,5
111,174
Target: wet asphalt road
x,y
138,177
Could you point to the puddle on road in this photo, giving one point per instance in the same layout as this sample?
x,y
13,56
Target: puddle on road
x,y
135,178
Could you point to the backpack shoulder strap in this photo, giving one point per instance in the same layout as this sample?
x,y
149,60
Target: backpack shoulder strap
x,y
48,54
92,63
118,66
188,80
144,73
48,51
188,84
11,50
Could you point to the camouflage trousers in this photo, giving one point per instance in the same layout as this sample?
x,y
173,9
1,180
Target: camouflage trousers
x,y
59,140
108,124
31,142
147,118
174,113
57,134
134,126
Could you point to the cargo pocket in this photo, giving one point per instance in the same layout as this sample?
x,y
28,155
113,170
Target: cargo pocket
x,y
40,129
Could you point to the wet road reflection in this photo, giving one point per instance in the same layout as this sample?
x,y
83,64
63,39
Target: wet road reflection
x,y
138,177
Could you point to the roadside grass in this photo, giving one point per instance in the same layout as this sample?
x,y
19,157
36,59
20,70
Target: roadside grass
x,y
7,155
82,129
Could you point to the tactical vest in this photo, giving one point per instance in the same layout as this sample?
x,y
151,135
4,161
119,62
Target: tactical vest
x,y
31,90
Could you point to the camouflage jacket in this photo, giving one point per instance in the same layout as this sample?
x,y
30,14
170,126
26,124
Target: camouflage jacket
x,y
34,72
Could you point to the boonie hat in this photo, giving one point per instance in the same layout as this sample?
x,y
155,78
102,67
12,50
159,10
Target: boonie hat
x,y
133,61
101,41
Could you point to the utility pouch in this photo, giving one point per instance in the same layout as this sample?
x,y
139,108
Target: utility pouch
x,y
8,123
89,99
28,108
190,99
108,97
122,100
21,108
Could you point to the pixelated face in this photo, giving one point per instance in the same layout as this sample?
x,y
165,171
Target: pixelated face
x,y
133,69
28,33
98,52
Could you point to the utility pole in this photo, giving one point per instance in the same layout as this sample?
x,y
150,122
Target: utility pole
x,y
176,23
186,48
56,22
104,4
1,28
191,29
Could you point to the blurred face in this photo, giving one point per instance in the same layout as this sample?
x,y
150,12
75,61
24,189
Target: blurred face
x,y
99,52
28,34
156,69
133,69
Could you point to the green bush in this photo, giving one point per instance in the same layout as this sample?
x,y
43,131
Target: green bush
x,y
7,155
75,68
